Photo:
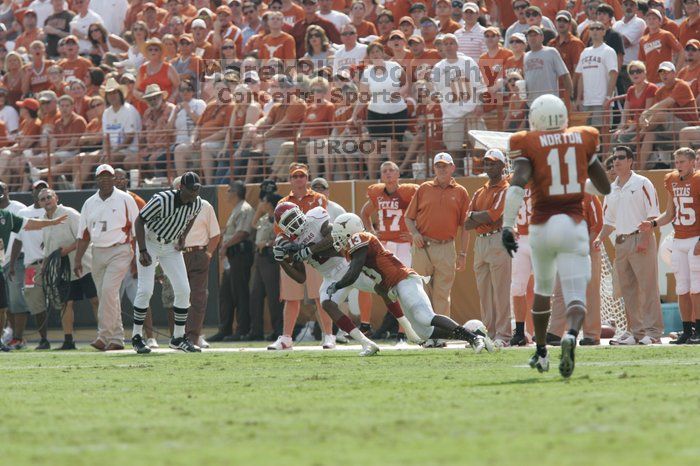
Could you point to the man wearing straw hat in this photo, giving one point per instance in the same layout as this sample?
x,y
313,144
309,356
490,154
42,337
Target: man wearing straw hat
x,y
121,123
157,131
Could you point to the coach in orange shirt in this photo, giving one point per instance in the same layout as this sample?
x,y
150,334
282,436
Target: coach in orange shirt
x,y
436,213
492,264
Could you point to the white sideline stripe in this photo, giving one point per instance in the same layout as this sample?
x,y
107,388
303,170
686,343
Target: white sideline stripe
x,y
636,362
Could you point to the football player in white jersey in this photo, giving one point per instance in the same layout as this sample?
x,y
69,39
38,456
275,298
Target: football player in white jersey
x,y
303,235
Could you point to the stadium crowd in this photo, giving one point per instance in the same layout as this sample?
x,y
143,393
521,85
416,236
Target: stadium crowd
x,y
241,89
332,89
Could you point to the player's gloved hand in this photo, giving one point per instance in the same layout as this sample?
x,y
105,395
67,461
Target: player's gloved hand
x,y
332,289
509,242
279,253
303,254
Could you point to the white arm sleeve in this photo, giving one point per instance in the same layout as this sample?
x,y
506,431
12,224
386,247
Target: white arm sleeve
x,y
514,198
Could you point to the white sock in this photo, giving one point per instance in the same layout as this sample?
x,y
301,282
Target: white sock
x,y
138,330
178,331
360,337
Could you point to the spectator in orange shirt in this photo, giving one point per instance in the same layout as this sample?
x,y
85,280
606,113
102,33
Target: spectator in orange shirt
x,y
657,46
35,75
156,71
203,48
674,109
224,29
158,135
640,96
78,90
423,58
56,82
443,12
385,24
11,158
492,66
152,16
666,24
517,44
418,11
74,64
358,13
568,45
428,128
30,31
292,12
690,27
276,43
492,264
209,134
549,7
407,26
690,73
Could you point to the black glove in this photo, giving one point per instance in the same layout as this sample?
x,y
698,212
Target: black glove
x,y
509,241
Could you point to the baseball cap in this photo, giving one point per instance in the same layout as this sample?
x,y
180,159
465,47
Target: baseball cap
x,y
70,38
190,180
416,6
416,39
38,183
519,36
252,76
693,43
199,23
397,33
186,37
667,66
224,9
428,19
656,13
31,104
149,6
469,6
492,29
298,168
407,19
535,29
495,154
104,168
319,183
443,157
564,14
457,4
47,96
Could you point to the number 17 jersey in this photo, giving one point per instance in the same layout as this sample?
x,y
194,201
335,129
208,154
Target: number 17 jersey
x,y
391,209
560,161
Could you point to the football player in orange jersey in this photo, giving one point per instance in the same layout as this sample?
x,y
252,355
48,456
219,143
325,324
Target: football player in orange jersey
x,y
389,201
683,209
558,161
367,255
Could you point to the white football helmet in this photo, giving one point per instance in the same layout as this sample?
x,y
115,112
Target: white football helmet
x,y
476,326
344,226
548,113
290,218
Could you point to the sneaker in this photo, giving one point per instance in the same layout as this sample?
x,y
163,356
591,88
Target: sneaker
x,y
152,343
4,348
366,329
518,340
7,334
184,345
683,339
283,343
67,346
17,344
567,362
624,339
202,343
541,363
139,346
369,349
647,340
328,341
499,343
589,342
43,345
341,337
553,340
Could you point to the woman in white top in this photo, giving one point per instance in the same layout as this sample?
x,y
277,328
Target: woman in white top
x,y
135,56
318,47
103,42
187,113
9,115
383,84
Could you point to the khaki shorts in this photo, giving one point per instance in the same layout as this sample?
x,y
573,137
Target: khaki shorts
x,y
293,291
34,295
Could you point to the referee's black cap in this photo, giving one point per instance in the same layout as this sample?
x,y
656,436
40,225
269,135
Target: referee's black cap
x,y
190,180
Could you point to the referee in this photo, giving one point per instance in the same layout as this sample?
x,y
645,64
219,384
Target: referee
x,y
161,229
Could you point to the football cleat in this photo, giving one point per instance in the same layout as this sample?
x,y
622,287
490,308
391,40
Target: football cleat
x,y
139,346
67,346
183,344
43,345
553,340
541,363
695,339
518,340
328,341
566,364
683,339
341,337
478,344
369,349
366,329
283,343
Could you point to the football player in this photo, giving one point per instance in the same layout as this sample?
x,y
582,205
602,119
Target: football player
x,y
558,161
389,201
520,273
304,235
682,210
369,256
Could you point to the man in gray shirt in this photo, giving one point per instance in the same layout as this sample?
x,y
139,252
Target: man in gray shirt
x,y
543,68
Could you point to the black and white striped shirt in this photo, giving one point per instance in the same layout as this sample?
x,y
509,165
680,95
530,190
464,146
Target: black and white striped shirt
x,y
167,217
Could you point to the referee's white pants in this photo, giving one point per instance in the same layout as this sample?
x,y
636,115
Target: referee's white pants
x,y
173,264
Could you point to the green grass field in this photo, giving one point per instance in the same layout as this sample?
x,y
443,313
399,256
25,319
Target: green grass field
x,y
423,407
